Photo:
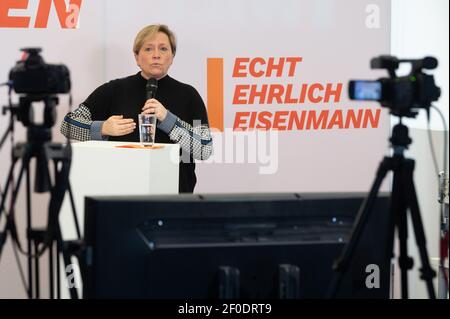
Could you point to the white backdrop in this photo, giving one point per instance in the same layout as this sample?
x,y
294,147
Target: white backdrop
x,y
335,42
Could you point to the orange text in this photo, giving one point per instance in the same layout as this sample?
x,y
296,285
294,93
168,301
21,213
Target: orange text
x,y
307,120
68,17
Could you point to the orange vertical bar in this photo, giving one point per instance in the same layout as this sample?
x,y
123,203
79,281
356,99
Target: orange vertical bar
x,y
215,93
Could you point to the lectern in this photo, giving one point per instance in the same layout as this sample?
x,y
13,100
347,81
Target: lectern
x,y
102,168
118,168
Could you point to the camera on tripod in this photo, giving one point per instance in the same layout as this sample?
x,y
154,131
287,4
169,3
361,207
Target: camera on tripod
x,y
402,95
37,81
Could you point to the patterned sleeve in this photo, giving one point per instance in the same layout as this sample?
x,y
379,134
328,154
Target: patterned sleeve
x,y
197,140
85,123
194,139
78,125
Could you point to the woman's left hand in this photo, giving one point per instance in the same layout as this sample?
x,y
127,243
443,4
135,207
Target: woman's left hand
x,y
153,106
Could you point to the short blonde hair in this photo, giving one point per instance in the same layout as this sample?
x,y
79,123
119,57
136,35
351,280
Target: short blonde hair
x,y
150,31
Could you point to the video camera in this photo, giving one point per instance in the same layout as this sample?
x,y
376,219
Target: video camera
x,y
36,81
32,75
402,95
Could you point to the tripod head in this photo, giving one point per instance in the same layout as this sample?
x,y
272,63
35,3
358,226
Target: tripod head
x,y
400,139
37,134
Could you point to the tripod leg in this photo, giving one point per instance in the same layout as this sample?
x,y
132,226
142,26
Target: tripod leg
x,y
5,135
341,265
6,188
392,223
75,216
411,197
51,272
2,205
72,203
10,225
36,269
58,268
398,215
54,230
29,258
67,262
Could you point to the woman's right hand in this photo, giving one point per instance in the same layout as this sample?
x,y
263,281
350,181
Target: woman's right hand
x,y
116,125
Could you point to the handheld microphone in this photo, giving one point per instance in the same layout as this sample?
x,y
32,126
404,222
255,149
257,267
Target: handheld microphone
x,y
151,87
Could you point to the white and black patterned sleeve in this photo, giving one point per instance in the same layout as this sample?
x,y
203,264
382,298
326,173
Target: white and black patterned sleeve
x,y
78,125
195,139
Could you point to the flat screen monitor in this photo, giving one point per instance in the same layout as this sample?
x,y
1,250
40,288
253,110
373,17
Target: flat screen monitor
x,y
230,246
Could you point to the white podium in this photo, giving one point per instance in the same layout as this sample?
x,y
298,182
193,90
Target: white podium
x,y
102,168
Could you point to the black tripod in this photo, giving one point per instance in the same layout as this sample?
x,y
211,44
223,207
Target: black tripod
x,y
403,197
38,146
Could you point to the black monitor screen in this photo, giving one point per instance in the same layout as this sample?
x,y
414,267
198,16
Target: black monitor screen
x,y
229,246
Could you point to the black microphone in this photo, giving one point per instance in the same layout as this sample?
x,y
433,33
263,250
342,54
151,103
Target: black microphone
x,y
151,87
